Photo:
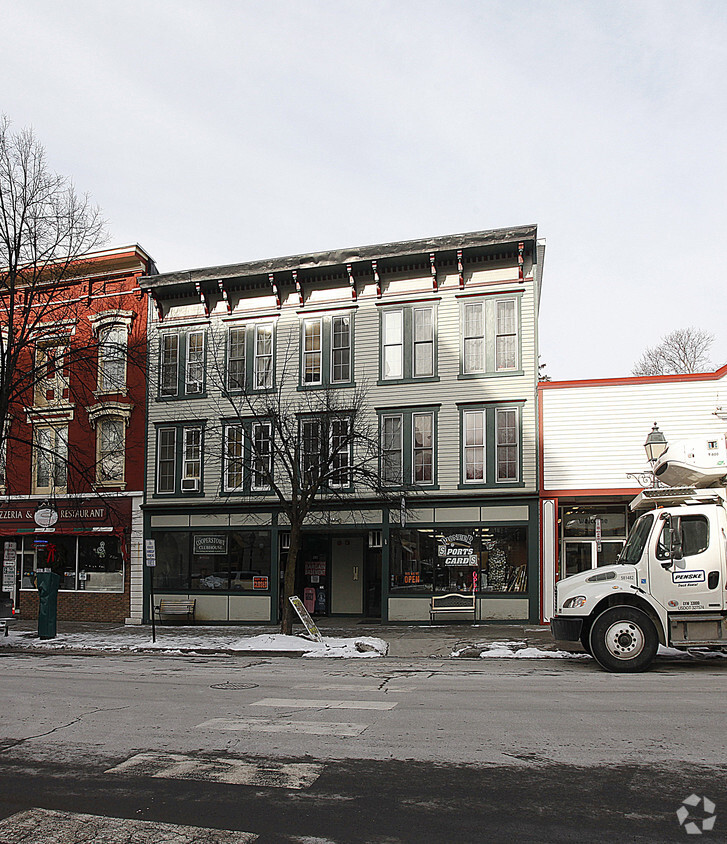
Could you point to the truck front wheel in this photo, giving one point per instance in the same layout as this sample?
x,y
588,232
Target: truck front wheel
x,y
624,639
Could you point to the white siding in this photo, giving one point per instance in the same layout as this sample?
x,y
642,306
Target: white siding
x,y
594,434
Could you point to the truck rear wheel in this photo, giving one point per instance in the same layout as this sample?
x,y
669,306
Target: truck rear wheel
x,y
624,639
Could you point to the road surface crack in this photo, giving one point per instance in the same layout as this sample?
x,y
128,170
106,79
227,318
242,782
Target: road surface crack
x,y
11,743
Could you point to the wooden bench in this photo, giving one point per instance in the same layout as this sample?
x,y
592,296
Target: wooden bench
x,y
457,602
176,606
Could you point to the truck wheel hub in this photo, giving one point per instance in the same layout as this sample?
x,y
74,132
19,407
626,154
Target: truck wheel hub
x,y
624,640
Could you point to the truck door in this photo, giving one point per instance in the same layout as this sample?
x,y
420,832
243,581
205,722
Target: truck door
x,y
693,583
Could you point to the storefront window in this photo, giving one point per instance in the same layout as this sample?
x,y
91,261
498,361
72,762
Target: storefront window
x,y
100,564
85,564
488,559
595,520
212,561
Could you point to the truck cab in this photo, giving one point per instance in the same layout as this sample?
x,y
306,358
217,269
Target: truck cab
x,y
668,586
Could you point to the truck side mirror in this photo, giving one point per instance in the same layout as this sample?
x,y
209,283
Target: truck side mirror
x,y
677,552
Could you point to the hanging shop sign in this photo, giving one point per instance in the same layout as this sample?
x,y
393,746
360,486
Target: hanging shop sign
x,y
215,543
45,515
457,549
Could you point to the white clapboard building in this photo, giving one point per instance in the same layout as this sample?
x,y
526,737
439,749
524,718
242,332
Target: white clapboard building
x,y
593,462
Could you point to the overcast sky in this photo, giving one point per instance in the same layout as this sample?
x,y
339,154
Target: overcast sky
x,y
216,132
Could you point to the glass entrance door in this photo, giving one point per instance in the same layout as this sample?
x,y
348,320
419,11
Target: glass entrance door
x,y
583,554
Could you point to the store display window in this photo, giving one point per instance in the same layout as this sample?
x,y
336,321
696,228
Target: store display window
x,y
212,561
84,563
482,559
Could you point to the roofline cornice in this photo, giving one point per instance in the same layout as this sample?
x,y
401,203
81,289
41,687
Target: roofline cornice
x,y
468,241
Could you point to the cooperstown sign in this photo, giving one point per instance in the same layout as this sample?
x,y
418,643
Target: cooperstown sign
x,y
688,577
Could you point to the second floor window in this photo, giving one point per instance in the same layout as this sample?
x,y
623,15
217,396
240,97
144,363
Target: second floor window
x,y
192,460
179,459
507,444
248,456
474,446
111,450
340,453
50,464
311,453
408,448
490,445
392,445
262,455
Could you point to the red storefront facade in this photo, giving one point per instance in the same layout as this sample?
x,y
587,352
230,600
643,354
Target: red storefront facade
x,y
71,485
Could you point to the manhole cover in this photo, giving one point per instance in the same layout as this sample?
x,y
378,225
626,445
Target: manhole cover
x,y
233,687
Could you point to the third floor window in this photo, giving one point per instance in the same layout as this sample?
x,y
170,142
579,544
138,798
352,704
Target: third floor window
x,y
408,343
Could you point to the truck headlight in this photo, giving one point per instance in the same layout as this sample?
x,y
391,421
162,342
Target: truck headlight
x,y
571,603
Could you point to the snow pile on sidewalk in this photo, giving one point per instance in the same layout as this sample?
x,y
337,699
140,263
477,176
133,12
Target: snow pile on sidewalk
x,y
209,640
511,650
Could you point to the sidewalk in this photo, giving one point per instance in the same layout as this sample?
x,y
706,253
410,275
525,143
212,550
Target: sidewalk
x,y
404,641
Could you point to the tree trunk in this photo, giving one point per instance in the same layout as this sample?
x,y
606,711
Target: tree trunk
x,y
286,621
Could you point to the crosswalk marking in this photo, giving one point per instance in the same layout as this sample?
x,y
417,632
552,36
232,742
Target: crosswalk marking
x,y
233,771
46,825
346,687
269,725
296,703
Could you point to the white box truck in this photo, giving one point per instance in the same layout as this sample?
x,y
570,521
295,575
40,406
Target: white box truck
x,y
669,584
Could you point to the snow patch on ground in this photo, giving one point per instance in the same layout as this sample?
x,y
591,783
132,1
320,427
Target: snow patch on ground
x,y
513,650
207,642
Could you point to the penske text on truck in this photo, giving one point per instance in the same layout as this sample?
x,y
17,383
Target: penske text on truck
x,y
669,584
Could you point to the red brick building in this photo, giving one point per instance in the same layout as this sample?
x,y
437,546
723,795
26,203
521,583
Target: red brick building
x,y
72,477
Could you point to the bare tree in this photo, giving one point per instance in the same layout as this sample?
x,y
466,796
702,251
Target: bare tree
x,y
313,449
46,228
681,351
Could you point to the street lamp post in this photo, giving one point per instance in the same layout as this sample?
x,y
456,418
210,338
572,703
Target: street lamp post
x,y
654,447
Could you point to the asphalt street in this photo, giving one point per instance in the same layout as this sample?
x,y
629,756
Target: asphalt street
x,y
229,749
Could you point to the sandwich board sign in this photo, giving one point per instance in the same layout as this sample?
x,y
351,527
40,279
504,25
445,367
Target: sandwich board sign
x,y
304,616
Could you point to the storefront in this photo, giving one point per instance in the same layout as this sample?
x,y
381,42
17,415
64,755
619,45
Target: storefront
x,y
85,542
363,563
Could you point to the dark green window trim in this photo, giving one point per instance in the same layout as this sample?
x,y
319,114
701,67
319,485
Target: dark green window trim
x,y
489,335
327,322
179,429
489,412
409,342
183,335
247,426
407,448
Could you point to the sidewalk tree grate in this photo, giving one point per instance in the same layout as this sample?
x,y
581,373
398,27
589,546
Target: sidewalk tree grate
x,y
233,687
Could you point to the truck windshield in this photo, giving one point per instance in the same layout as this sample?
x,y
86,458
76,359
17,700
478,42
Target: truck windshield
x,y
634,547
